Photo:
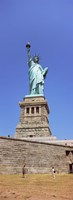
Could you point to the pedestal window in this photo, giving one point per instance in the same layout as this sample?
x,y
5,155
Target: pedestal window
x,y
32,110
37,110
27,110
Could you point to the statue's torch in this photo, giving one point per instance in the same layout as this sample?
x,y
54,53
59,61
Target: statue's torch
x,y
28,45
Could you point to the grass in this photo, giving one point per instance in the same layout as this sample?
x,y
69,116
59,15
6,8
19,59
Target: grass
x,y
36,187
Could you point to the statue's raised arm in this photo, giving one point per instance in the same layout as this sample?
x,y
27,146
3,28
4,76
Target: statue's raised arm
x,y
30,60
28,50
36,74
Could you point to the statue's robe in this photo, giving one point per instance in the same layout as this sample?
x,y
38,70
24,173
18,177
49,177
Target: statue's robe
x,y
35,75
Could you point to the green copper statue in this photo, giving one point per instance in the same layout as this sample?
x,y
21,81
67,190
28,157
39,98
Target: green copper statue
x,y
36,74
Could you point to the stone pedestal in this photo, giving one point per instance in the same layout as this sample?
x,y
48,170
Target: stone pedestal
x,y
33,118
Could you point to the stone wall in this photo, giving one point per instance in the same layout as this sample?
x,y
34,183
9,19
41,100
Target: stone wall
x,y
38,157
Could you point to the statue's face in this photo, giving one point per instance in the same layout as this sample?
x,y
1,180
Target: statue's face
x,y
36,59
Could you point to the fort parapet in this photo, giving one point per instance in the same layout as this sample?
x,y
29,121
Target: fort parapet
x,y
39,157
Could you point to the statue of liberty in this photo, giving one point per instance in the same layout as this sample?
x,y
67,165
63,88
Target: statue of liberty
x,y
36,74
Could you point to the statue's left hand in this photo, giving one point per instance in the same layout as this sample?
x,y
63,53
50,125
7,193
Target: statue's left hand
x,y
45,72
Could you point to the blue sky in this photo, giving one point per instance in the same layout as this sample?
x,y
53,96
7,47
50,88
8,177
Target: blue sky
x,y
48,25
